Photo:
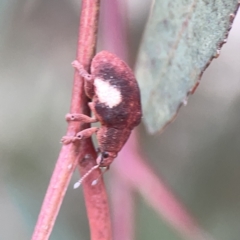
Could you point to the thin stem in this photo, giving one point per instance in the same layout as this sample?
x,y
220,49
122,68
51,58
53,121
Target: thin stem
x,y
81,153
123,221
142,178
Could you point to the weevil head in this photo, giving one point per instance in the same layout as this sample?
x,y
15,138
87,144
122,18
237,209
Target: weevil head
x,y
106,158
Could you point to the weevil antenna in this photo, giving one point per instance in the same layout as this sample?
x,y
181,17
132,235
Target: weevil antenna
x,y
78,183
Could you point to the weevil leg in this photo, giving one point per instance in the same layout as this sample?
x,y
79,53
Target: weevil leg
x,y
78,117
88,83
86,133
77,65
92,107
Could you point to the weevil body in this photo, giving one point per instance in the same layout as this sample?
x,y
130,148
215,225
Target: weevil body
x,y
115,104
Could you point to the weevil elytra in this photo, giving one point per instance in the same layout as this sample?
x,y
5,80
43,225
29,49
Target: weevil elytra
x,y
115,104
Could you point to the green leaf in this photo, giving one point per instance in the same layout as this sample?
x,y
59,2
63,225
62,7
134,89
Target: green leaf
x,y
180,40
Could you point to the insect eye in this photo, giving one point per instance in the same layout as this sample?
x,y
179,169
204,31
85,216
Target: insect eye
x,y
105,155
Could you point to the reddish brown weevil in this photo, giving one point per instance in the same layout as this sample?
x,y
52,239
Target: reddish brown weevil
x,y
115,104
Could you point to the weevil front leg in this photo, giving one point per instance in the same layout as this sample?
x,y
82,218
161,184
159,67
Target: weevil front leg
x,y
76,64
88,83
79,117
86,133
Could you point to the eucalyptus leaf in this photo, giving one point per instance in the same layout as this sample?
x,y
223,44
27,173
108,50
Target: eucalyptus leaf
x,y
180,40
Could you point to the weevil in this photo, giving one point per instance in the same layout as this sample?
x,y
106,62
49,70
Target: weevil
x,y
115,103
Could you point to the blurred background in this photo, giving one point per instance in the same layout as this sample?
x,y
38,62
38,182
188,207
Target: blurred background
x,y
197,155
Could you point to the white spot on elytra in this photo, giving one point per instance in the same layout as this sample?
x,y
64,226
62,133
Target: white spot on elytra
x,y
107,93
69,166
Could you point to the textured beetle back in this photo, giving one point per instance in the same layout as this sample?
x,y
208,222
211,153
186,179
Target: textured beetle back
x,y
111,70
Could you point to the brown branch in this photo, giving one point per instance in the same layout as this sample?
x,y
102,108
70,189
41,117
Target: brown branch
x,y
83,152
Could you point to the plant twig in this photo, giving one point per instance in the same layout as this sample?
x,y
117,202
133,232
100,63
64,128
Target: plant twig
x,y
123,221
81,153
140,177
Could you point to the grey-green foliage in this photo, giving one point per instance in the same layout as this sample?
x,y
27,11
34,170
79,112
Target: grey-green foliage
x,y
180,39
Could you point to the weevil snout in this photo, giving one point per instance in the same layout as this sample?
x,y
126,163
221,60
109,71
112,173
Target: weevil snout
x,y
106,158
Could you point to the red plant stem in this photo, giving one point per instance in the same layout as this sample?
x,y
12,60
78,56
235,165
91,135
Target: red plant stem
x,y
133,169
114,17
123,220
82,152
